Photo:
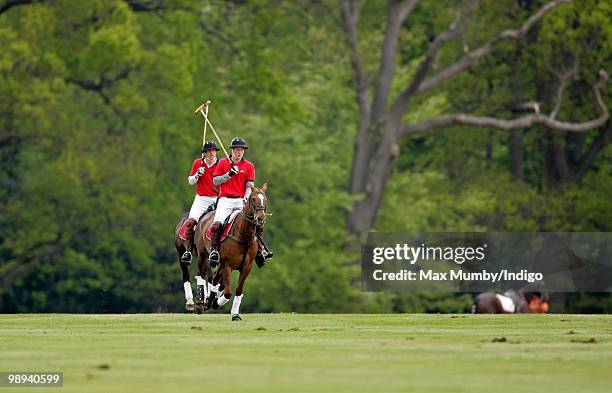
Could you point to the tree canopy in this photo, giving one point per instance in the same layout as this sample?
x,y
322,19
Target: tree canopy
x,y
97,136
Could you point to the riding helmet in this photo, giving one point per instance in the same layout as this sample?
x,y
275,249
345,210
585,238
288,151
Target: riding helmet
x,y
239,142
209,145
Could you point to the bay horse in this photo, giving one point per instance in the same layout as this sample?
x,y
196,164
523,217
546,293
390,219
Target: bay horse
x,y
237,251
203,270
531,299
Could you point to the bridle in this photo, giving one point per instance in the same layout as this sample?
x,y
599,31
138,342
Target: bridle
x,y
252,218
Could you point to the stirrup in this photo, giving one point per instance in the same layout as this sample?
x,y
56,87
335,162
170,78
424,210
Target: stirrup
x,y
186,257
213,257
261,259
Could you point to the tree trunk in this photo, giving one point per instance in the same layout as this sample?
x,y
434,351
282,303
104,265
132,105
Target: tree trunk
x,y
560,158
362,216
516,154
380,125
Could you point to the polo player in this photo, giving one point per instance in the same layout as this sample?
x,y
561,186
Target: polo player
x,y
234,178
201,175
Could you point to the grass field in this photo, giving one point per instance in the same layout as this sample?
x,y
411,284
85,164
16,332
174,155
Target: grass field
x,y
312,353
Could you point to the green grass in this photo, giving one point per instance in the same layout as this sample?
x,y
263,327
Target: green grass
x,y
312,353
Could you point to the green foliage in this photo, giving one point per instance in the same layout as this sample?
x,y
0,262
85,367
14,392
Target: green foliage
x,y
339,353
97,136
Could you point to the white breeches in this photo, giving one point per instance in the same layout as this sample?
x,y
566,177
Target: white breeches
x,y
226,206
199,206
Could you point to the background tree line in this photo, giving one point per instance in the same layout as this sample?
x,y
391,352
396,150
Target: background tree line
x,y
97,136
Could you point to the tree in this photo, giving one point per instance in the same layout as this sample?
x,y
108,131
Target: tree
x,y
382,114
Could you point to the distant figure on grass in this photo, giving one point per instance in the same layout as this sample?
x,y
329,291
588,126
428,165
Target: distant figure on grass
x,y
200,175
532,299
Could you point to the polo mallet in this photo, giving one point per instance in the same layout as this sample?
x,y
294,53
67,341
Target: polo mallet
x,y
204,136
201,110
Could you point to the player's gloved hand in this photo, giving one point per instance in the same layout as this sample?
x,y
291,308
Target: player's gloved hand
x,y
233,170
200,171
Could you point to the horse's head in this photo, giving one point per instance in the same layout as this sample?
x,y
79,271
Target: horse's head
x,y
256,204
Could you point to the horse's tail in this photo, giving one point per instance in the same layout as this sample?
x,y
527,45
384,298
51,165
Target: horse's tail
x,y
474,308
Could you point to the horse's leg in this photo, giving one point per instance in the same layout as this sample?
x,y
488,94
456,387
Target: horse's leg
x,y
214,288
217,285
244,273
227,290
206,273
209,276
187,286
180,249
201,257
218,280
201,284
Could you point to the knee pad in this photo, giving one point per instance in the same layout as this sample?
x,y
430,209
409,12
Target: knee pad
x,y
186,232
190,224
214,228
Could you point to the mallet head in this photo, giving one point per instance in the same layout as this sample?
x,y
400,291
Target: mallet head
x,y
201,107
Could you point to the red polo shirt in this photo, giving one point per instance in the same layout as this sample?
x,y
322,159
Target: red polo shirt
x,y
236,185
204,186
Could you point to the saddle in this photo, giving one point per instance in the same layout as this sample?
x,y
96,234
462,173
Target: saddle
x,y
226,227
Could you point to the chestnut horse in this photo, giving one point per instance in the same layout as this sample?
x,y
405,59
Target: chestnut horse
x,y
237,251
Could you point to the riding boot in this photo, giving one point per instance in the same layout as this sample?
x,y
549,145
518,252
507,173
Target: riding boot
x,y
215,237
263,254
186,233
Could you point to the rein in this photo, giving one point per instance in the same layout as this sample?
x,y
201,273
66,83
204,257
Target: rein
x,y
250,218
237,239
